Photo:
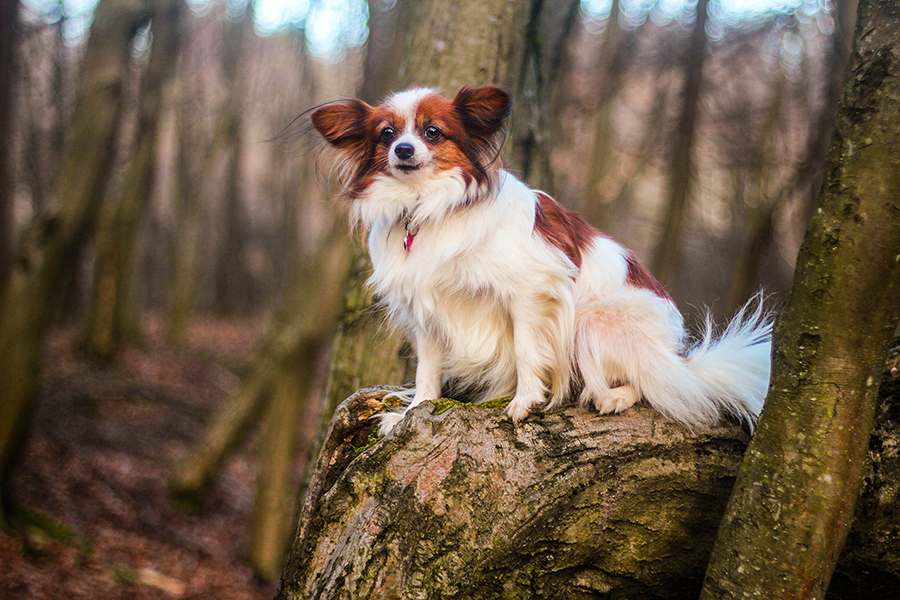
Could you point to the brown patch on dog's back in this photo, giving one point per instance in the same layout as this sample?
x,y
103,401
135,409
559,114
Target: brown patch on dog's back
x,y
640,276
564,228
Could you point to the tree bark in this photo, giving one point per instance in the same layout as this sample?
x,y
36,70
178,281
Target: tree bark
x,y
45,252
460,503
870,563
794,498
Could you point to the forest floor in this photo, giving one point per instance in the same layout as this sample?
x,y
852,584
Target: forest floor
x,y
97,517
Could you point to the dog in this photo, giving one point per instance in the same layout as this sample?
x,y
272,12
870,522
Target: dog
x,y
504,291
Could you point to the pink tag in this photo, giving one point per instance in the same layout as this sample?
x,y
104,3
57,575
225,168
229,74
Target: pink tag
x,y
407,243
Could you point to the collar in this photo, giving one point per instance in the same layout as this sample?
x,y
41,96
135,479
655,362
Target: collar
x,y
411,233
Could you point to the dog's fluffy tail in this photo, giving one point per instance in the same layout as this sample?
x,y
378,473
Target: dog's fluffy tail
x,y
727,373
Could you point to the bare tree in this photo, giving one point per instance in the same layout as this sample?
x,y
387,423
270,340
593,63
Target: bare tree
x,y
681,162
231,274
112,312
793,501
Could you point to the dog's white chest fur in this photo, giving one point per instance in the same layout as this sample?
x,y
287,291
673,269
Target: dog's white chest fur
x,y
457,278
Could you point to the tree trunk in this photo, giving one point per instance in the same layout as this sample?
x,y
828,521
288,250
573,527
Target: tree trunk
x,y
185,251
681,157
384,49
9,29
231,275
281,386
109,321
764,203
870,564
45,252
794,498
460,503
549,27
602,139
293,386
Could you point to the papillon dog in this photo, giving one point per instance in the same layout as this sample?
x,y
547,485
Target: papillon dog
x,y
506,292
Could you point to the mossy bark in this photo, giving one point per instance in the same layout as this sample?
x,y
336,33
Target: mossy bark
x,y
460,503
794,499
870,563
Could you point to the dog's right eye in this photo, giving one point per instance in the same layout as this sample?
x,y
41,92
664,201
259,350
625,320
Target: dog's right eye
x,y
387,134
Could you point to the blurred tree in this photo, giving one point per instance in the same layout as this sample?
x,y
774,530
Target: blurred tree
x,y
280,389
550,25
681,153
111,318
763,201
9,28
611,75
43,123
181,295
232,277
794,498
387,26
809,173
201,139
45,252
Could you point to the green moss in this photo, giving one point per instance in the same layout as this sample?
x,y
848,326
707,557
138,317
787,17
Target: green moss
x,y
445,404
370,441
496,402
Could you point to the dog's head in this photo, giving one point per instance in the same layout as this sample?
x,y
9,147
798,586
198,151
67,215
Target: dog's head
x,y
417,134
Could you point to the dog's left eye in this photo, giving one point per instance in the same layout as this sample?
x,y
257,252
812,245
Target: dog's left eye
x,y
432,133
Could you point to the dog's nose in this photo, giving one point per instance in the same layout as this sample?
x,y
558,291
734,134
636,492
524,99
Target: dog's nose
x,y
404,151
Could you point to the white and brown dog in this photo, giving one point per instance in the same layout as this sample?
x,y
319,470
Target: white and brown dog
x,y
505,291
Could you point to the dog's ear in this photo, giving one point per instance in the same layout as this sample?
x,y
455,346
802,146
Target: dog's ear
x,y
343,124
483,110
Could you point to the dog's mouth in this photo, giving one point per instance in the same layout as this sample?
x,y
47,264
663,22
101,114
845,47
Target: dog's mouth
x,y
408,168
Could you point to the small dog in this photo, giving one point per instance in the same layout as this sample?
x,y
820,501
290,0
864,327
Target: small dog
x,y
505,291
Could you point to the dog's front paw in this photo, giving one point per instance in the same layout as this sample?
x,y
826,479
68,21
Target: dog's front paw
x,y
389,420
520,406
617,399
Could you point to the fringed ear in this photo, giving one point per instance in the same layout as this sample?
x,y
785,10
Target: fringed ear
x,y
343,124
483,111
